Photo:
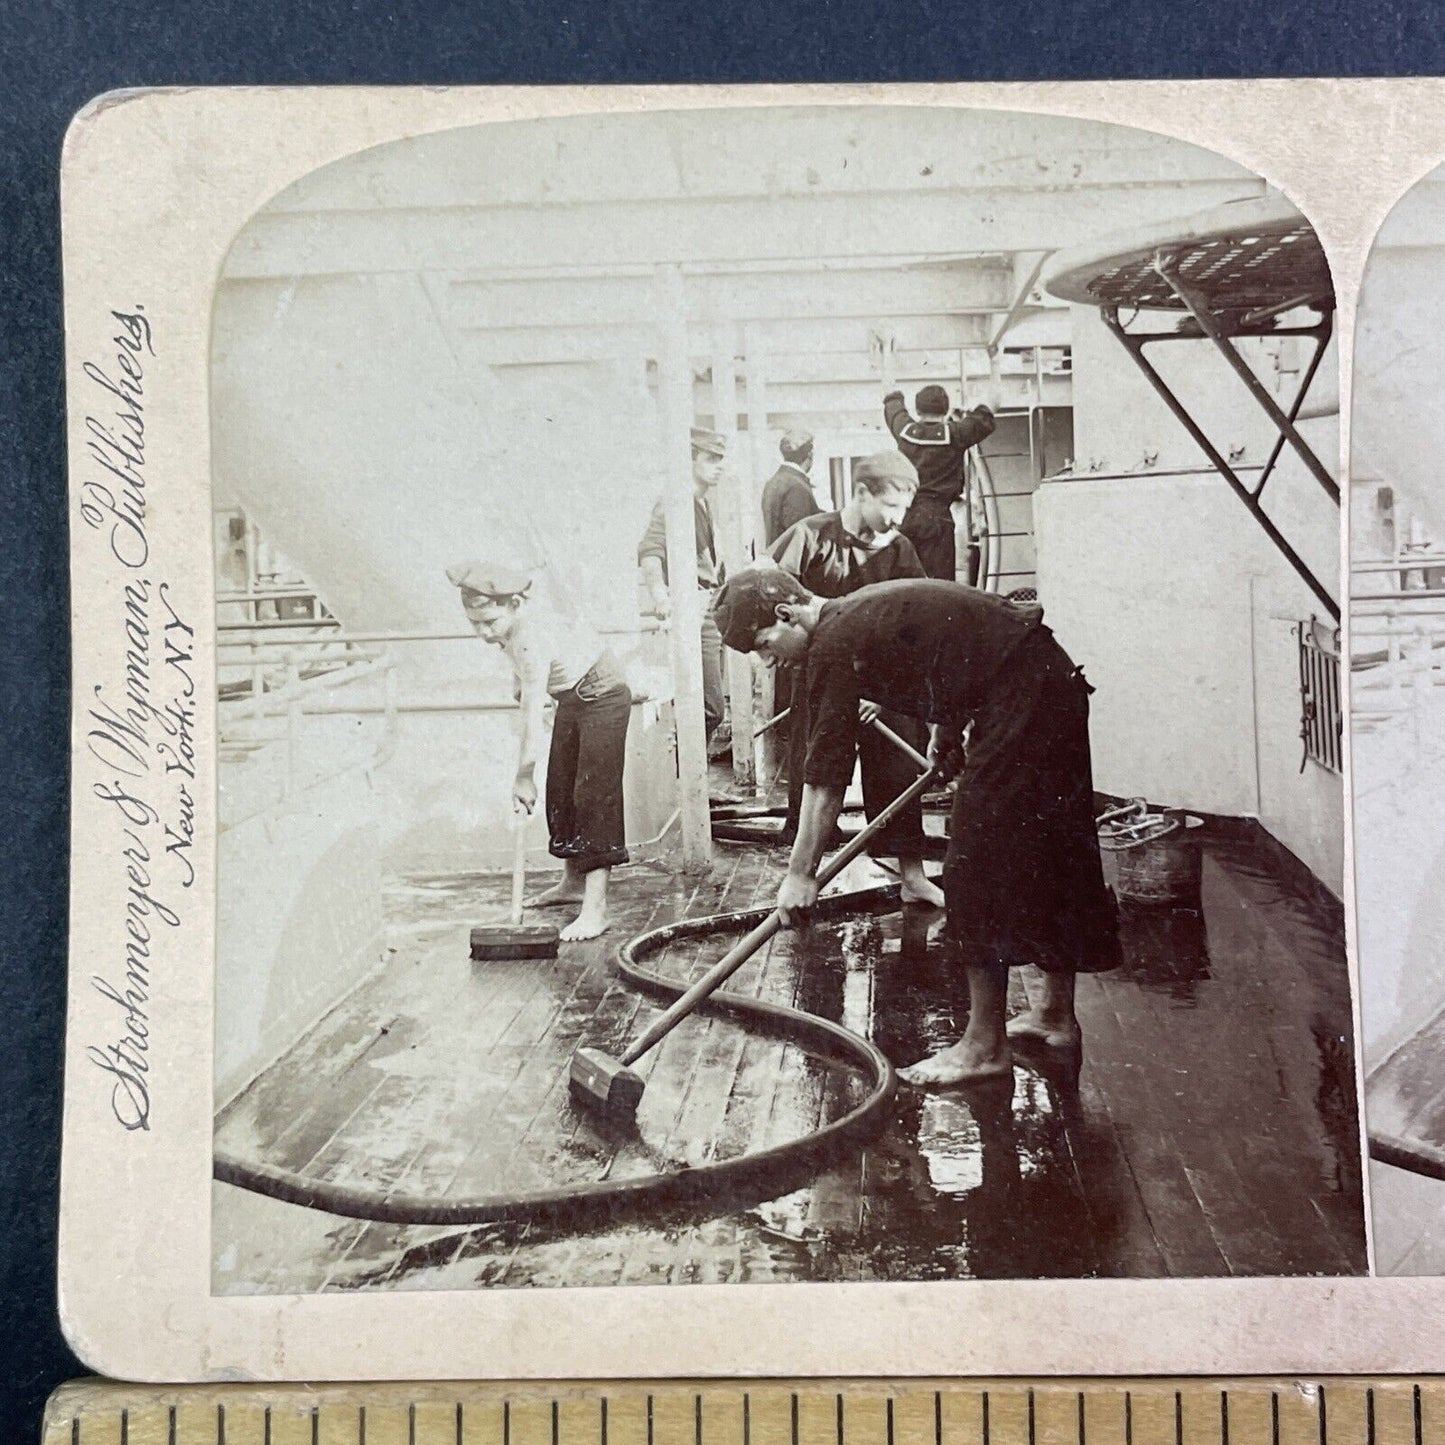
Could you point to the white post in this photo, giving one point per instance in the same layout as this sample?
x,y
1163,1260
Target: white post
x,y
675,402
734,507
755,370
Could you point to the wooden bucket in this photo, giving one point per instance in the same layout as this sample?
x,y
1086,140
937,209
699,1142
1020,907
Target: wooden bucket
x,y
1164,869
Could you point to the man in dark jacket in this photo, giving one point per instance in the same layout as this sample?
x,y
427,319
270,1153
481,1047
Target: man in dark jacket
x,y
937,444
788,495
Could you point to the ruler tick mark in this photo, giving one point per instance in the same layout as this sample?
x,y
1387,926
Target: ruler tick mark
x,y
125,1428
171,1426
75,1430
506,1423
1370,1416
840,1420
460,1429
985,1418
888,1419
1419,1417
1082,1424
555,1430
1324,1436
649,1420
1178,1418
266,1427
748,1419
361,1425
1274,1417
795,1423
938,1417
602,1423
220,1427
1128,1417
1224,1417
1032,1437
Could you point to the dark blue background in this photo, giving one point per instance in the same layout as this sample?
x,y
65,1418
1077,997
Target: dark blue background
x,y
56,56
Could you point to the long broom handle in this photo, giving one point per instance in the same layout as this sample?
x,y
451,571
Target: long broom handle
x,y
748,945
519,869
771,723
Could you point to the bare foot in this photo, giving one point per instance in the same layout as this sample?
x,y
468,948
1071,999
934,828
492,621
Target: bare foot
x,y
921,891
587,924
559,895
1038,1027
958,1065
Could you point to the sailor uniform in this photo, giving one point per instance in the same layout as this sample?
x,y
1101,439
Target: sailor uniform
x,y
936,445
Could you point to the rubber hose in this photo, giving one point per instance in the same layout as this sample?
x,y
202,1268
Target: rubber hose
x,y
724,1184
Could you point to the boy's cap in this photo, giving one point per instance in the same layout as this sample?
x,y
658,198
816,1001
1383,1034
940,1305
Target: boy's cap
x,y
747,602
889,468
709,443
489,579
932,401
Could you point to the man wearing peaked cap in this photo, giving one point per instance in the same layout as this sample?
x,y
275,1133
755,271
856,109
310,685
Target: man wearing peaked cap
x,y
708,450
788,493
709,443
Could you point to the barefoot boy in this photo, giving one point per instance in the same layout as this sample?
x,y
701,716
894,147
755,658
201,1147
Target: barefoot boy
x,y
1023,881
567,661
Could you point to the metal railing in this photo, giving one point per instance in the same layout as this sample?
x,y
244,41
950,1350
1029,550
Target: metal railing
x,y
289,701
1321,708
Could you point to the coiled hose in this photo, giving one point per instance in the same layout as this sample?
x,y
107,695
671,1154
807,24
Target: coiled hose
x,y
724,1184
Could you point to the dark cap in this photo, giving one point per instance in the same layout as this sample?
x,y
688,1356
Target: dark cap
x,y
747,602
797,442
932,401
885,469
709,443
489,579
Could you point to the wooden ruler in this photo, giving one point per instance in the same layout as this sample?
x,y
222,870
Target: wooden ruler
x,y
1331,1411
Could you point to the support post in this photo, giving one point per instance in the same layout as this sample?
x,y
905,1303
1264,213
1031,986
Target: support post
x,y
675,408
755,373
734,507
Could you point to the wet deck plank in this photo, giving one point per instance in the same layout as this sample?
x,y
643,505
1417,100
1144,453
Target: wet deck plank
x,y
1210,1132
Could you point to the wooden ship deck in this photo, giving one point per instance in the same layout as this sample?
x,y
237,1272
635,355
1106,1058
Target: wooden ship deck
x,y
1212,1130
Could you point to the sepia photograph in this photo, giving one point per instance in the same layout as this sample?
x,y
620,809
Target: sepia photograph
x,y
1397,725
779,712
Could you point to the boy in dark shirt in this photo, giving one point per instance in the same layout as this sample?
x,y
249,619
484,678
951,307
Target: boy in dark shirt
x,y
833,554
1023,881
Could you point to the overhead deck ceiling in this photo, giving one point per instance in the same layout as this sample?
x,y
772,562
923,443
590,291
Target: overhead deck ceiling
x,y
538,242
